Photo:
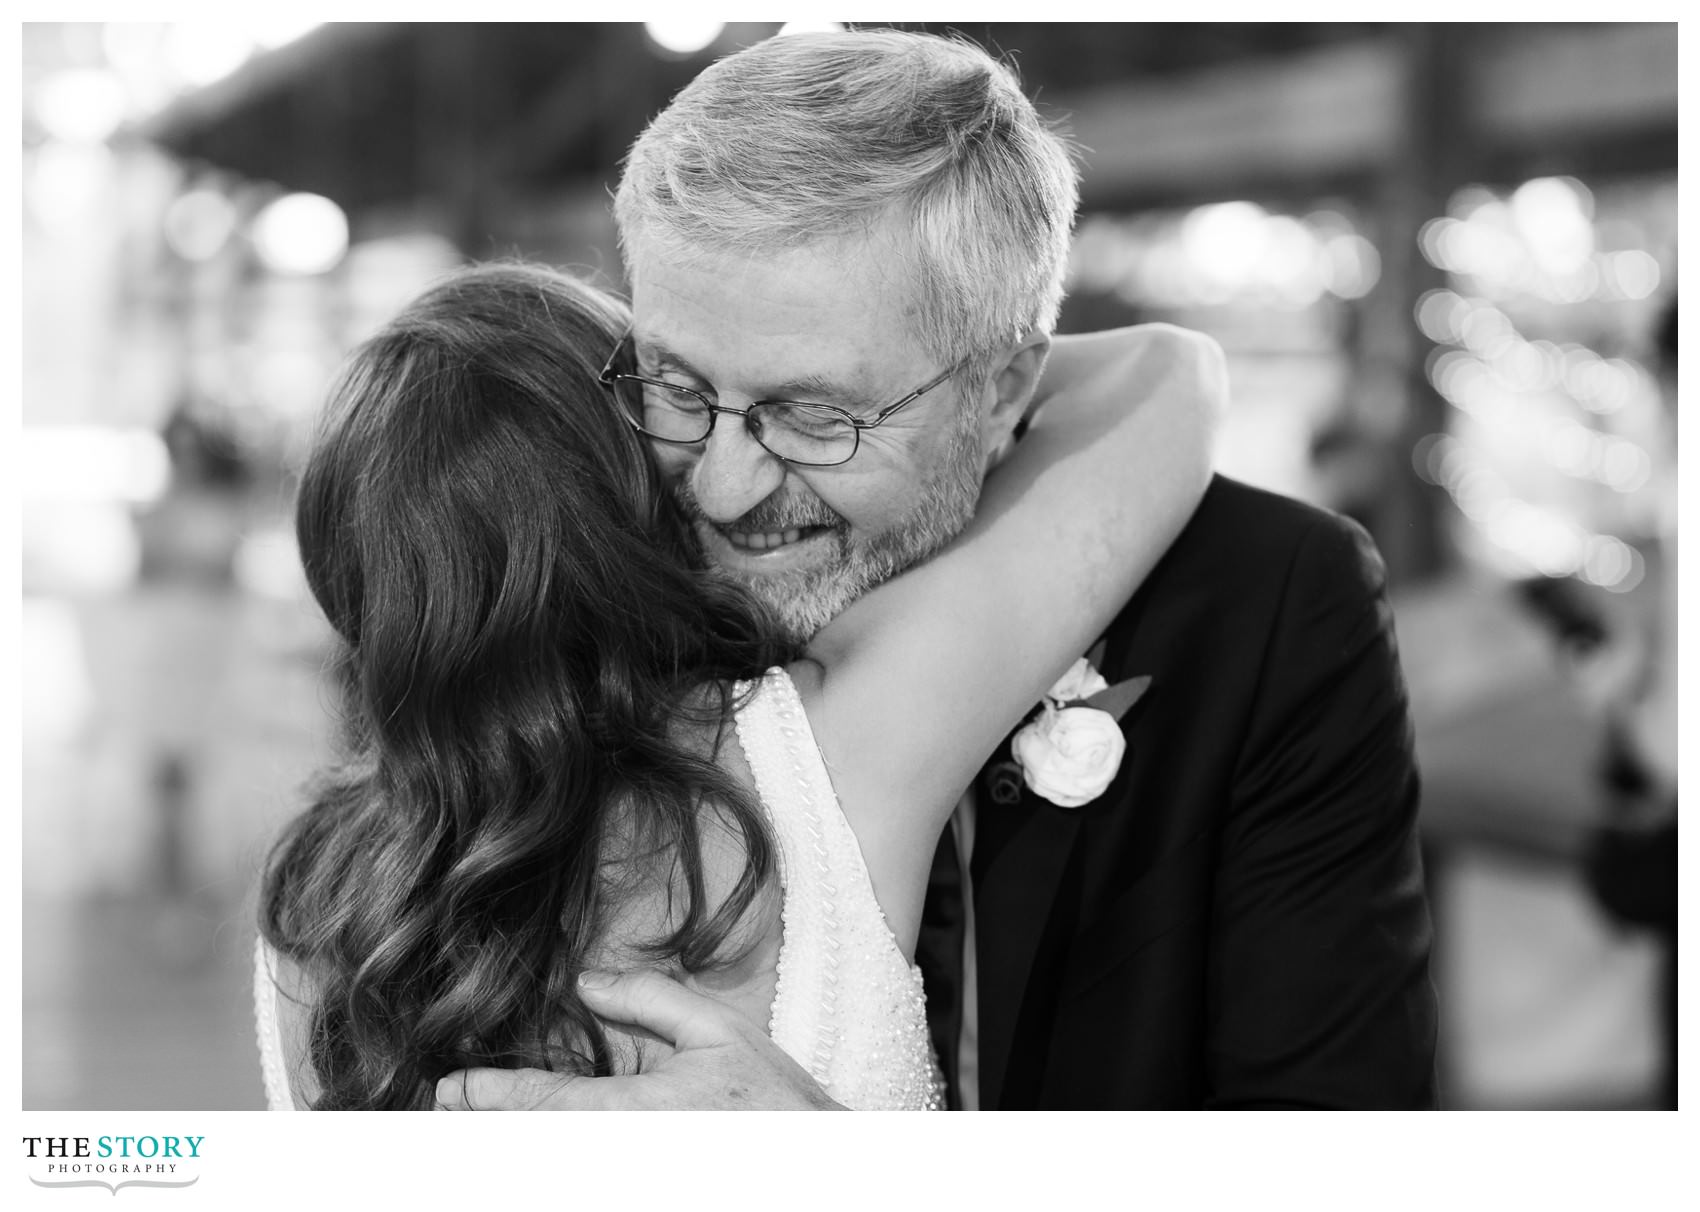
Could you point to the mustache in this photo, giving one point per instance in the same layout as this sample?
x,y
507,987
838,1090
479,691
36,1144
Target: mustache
x,y
768,516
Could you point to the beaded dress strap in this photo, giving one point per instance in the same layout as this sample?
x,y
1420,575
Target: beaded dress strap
x,y
794,787
270,1039
848,1006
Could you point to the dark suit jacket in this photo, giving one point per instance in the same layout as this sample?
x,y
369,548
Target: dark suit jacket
x,y
1239,920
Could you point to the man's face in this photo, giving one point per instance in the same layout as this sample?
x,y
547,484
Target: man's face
x,y
829,324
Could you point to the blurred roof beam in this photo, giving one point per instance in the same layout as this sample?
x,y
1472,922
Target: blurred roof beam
x,y
266,72
1602,95
1309,114
383,114
1556,81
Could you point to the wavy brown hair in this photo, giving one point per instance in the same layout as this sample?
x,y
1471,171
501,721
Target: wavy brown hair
x,y
522,625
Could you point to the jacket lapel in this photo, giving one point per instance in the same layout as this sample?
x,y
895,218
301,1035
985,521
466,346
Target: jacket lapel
x,y
1020,851
1023,844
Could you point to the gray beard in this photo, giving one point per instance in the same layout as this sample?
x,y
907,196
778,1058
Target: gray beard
x,y
803,601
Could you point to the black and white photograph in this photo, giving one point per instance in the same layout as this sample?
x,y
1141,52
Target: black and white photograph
x,y
976,566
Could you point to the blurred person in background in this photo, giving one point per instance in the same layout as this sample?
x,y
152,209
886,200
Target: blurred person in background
x,y
1624,668
570,748
1232,916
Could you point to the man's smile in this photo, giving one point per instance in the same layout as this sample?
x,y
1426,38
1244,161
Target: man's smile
x,y
750,540
767,551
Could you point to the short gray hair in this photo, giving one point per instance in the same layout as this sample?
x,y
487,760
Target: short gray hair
x,y
817,136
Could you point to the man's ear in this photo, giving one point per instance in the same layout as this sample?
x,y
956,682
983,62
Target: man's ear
x,y
1009,392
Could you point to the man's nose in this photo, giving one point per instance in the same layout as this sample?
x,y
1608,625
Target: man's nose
x,y
734,473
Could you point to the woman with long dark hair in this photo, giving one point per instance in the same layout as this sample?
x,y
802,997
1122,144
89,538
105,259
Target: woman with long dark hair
x,y
570,746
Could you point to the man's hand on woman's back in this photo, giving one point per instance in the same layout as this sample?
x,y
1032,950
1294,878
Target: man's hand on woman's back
x,y
721,1062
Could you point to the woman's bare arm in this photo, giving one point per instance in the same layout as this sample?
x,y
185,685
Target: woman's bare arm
x,y
923,676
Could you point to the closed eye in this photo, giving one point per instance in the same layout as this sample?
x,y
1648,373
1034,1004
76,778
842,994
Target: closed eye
x,y
811,420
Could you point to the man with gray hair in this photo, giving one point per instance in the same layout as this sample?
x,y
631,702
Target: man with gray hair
x,y
894,193
878,223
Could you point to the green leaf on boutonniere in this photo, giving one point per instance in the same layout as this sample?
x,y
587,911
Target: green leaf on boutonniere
x,y
1119,699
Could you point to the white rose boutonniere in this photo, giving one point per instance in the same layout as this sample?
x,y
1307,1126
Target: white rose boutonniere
x,y
1069,755
1070,752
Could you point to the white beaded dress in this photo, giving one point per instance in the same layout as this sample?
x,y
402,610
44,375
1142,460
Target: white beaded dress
x,y
847,1006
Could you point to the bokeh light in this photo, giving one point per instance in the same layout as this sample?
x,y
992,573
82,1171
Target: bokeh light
x,y
65,183
683,35
1224,254
1354,265
1635,273
80,547
55,672
133,46
1224,240
1553,215
66,463
1441,314
80,104
201,52
301,234
199,224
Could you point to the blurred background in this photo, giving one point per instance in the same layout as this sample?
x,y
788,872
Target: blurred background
x,y
1439,257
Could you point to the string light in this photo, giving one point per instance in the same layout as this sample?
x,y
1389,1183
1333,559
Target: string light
x,y
1535,539
1540,242
1498,376
1224,253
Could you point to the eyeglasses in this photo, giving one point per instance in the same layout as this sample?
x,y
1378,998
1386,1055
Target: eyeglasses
x,y
811,435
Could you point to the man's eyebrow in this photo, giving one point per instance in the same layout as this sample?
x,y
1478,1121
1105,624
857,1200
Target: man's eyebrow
x,y
815,389
663,358
803,389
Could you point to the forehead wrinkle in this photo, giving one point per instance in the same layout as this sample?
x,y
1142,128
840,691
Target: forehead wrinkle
x,y
872,264
813,389
800,389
